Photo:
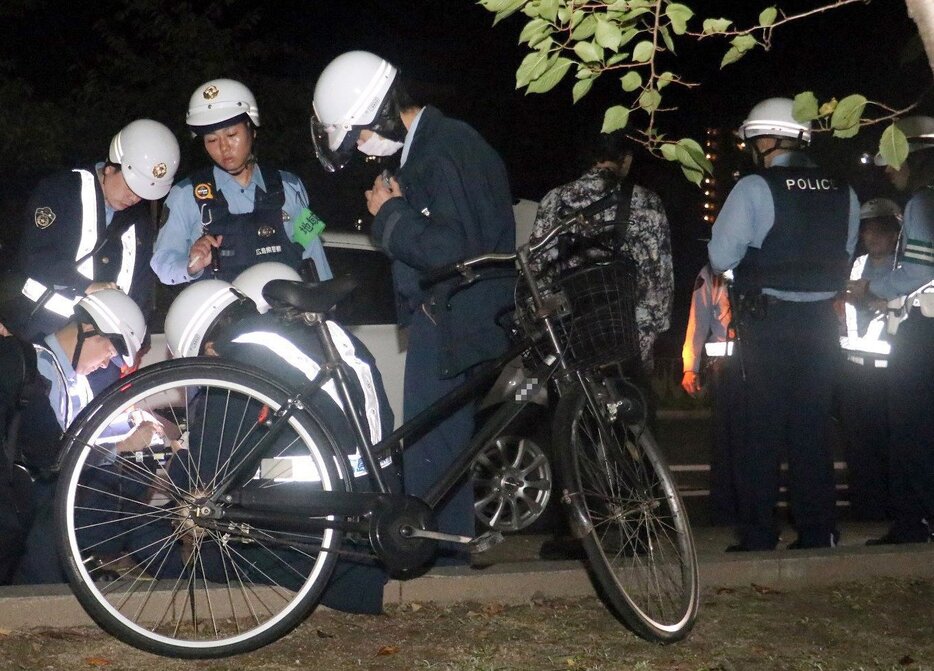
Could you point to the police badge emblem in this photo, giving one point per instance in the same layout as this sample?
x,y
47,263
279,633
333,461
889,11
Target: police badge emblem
x,y
159,170
44,217
210,92
266,231
203,192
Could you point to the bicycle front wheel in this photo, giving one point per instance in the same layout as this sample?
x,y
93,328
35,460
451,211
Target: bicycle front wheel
x,y
141,557
634,527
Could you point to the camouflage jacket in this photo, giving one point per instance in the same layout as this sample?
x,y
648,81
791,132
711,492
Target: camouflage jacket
x,y
648,242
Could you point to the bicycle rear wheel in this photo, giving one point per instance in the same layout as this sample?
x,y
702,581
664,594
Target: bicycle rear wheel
x,y
633,524
140,558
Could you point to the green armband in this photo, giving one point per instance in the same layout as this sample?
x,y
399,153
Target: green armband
x,y
307,227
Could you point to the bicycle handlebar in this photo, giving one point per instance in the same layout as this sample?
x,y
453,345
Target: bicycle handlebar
x,y
464,266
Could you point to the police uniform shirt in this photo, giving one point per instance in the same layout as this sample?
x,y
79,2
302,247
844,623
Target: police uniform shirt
x,y
747,217
872,272
916,250
709,318
183,227
69,391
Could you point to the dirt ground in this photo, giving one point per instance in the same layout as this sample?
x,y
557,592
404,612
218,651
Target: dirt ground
x,y
885,624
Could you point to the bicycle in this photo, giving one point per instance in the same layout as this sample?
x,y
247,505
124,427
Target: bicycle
x,y
222,538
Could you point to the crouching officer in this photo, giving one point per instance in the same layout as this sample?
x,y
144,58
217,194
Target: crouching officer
x,y
789,231
89,228
224,219
221,319
105,325
909,290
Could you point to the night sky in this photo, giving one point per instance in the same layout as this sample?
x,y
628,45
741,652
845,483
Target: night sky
x,y
52,55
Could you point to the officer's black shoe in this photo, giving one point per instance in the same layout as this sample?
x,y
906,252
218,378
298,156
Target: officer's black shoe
x,y
831,542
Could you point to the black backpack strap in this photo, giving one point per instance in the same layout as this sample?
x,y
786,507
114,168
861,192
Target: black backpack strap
x,y
623,207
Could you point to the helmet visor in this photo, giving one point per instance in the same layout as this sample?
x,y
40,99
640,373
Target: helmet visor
x,y
332,160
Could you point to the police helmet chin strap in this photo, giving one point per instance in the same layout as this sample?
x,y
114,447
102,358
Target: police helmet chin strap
x,y
388,122
759,156
79,344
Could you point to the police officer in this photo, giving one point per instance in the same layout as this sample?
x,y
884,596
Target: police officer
x,y
221,319
789,232
221,220
864,374
105,324
709,339
909,290
89,228
449,200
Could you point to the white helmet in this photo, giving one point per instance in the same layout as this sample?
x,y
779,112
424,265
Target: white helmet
x,y
195,311
147,153
919,131
773,118
117,317
879,207
220,103
252,280
349,94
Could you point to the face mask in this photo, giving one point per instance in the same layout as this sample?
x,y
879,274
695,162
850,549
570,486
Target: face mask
x,y
377,145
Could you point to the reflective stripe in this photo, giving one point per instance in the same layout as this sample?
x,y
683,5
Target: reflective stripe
x,y
57,303
292,355
865,361
346,350
724,348
872,342
88,222
128,262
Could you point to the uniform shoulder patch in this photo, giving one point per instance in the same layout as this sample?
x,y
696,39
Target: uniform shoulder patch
x,y
203,191
44,217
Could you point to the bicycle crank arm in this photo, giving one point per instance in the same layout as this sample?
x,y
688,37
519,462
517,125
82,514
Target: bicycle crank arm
x,y
481,543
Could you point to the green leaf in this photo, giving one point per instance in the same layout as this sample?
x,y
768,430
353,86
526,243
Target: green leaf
x,y
497,5
666,36
550,78
631,80
617,58
847,114
678,14
588,52
608,35
716,26
564,15
531,9
665,79
893,146
548,9
577,17
650,100
507,11
534,28
805,107
531,67
731,56
670,152
581,88
744,42
584,72
767,16
693,174
643,51
615,118
698,157
585,29
628,35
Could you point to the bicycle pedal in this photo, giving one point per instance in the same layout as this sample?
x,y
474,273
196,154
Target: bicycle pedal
x,y
485,541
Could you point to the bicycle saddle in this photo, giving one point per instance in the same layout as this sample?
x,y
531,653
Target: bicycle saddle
x,y
309,296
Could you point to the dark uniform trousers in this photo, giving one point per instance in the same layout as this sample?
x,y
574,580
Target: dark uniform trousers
x,y
911,420
865,424
791,353
723,380
424,460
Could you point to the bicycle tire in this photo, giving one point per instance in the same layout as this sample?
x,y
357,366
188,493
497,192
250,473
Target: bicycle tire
x,y
623,503
138,564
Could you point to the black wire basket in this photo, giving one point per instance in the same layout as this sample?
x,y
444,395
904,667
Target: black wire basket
x,y
596,323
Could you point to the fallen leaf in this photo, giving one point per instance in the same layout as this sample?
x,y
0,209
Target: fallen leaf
x,y
906,660
763,589
97,661
387,650
494,608
415,607
725,590
323,634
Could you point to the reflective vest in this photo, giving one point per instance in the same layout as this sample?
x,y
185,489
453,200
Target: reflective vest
x,y
870,349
